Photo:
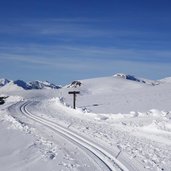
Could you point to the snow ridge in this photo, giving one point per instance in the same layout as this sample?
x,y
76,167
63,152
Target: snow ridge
x,y
28,85
42,84
133,78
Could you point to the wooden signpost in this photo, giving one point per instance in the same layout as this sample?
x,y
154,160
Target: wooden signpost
x,y
74,97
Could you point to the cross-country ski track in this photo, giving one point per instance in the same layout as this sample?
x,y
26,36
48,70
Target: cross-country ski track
x,y
108,162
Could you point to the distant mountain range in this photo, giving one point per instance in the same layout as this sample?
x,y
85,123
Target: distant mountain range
x,y
29,85
75,84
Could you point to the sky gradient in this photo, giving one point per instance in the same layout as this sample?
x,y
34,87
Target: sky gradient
x,y
65,40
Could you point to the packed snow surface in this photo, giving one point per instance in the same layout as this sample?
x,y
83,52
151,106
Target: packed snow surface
x,y
120,123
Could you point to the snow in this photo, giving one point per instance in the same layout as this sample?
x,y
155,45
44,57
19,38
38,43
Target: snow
x,y
166,80
14,98
133,78
42,85
3,82
20,84
10,87
116,95
127,119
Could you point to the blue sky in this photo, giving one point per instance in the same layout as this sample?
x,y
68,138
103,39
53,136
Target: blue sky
x,y
65,40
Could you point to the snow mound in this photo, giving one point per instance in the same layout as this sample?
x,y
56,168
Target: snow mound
x,y
14,99
58,102
158,126
14,124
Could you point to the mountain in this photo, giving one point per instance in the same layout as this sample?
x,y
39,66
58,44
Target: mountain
x,y
74,84
118,76
10,85
133,78
42,85
22,84
3,82
128,77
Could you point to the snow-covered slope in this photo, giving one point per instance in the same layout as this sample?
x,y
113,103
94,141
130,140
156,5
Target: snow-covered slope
x,y
123,118
116,94
166,80
11,87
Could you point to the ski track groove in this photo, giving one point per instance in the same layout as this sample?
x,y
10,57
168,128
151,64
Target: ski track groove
x,y
106,158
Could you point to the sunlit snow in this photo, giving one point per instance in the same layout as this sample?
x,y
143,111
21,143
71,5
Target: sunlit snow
x,y
120,117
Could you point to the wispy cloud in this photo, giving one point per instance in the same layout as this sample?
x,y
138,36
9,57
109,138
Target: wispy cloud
x,y
83,62
73,53
80,46
58,63
78,27
82,38
75,28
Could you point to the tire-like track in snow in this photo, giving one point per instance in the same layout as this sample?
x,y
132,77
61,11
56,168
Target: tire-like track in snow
x,y
106,158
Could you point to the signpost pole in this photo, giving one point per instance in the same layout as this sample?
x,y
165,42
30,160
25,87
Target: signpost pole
x,y
74,97
74,100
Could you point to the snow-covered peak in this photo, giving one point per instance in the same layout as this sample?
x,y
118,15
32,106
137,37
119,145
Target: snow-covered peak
x,y
42,85
22,84
133,78
3,82
74,84
128,77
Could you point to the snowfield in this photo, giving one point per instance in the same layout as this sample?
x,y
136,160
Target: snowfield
x,y
121,123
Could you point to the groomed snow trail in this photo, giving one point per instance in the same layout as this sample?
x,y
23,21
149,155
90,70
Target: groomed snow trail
x,y
99,153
